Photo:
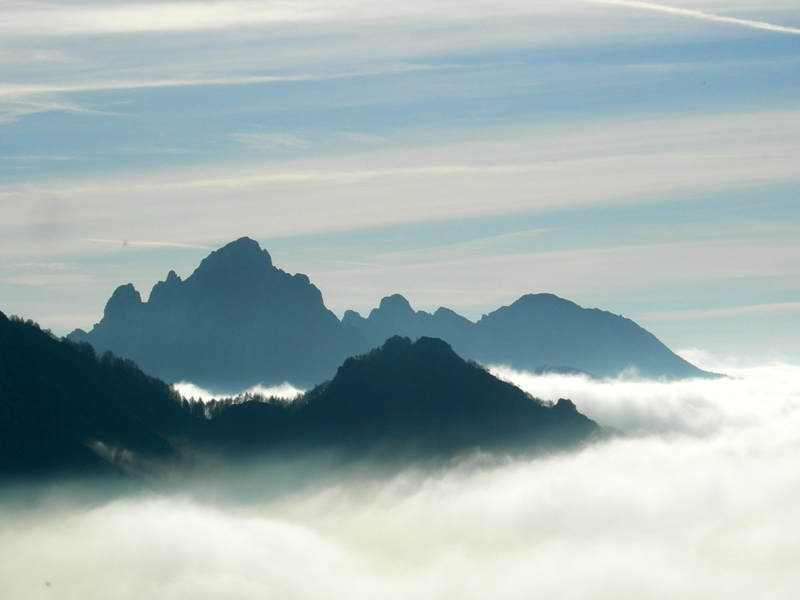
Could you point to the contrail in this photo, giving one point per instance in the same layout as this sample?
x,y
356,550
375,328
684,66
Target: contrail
x,y
156,244
696,14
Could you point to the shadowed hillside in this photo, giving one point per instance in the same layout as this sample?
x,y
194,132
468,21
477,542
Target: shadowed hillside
x,y
413,399
63,410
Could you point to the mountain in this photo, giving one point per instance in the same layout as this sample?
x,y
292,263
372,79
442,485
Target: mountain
x,y
415,399
235,322
238,321
538,332
65,411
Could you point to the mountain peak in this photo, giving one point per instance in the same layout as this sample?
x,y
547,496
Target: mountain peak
x,y
396,305
542,300
421,396
427,348
239,260
124,299
237,320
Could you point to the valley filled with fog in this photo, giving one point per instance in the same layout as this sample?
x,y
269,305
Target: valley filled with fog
x,y
694,497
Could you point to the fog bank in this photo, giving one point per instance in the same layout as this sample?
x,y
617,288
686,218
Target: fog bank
x,y
189,390
699,502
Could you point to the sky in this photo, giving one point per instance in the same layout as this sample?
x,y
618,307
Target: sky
x,y
637,157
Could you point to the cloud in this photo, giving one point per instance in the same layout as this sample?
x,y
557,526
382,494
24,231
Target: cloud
x,y
722,313
88,18
696,14
701,504
284,390
527,171
693,407
131,17
23,90
270,141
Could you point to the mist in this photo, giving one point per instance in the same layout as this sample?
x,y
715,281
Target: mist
x,y
694,497
285,391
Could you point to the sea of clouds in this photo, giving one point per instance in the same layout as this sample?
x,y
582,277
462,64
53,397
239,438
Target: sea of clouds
x,y
696,498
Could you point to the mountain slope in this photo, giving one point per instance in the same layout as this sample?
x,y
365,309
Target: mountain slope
x,y
543,329
536,331
64,411
416,399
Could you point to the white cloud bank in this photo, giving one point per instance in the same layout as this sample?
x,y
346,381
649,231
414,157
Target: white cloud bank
x,y
702,506
285,390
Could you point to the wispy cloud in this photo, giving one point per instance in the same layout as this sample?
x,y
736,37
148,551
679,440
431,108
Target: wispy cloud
x,y
21,99
697,14
723,313
270,141
17,90
96,19
91,18
13,107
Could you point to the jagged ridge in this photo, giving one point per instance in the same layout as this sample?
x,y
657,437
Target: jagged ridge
x,y
238,321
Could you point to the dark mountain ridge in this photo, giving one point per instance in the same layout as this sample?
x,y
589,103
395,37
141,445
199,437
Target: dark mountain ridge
x,y
66,411
238,321
405,399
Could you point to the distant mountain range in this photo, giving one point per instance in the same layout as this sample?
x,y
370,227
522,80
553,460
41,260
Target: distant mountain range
x,y
238,321
66,411
538,332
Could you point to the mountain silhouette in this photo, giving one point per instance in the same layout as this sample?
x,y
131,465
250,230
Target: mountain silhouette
x,y
65,411
238,321
416,399
538,332
235,322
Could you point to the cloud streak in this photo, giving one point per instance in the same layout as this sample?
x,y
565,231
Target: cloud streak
x,y
696,14
723,313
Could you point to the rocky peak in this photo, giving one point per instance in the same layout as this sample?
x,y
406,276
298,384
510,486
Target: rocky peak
x,y
239,262
395,306
124,300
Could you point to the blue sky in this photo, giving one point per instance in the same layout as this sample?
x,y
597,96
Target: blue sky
x,y
637,157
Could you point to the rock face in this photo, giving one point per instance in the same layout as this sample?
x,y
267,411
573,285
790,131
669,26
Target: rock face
x,y
235,322
238,321
413,399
